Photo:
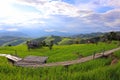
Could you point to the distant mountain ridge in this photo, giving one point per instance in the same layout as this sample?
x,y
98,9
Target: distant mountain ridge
x,y
13,33
37,34
33,33
90,35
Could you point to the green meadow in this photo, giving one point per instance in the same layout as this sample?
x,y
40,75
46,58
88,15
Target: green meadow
x,y
98,69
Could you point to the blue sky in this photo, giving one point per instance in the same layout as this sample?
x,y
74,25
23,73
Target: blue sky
x,y
76,16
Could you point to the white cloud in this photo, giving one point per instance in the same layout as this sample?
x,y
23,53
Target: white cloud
x,y
23,19
112,18
95,4
5,8
50,30
12,29
49,12
1,29
115,3
57,7
109,19
46,9
54,7
10,15
64,31
112,3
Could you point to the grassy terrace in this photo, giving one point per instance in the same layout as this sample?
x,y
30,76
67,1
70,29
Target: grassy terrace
x,y
99,69
60,53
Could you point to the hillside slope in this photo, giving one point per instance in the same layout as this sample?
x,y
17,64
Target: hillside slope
x,y
11,40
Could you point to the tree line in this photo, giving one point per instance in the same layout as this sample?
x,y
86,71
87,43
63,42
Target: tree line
x,y
37,44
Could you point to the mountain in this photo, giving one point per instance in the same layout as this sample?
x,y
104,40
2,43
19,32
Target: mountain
x,y
11,40
40,33
47,39
33,33
90,35
13,33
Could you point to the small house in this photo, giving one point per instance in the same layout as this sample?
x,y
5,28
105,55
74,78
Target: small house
x,y
32,60
35,59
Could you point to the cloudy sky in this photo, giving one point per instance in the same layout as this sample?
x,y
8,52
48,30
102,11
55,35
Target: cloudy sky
x,y
79,16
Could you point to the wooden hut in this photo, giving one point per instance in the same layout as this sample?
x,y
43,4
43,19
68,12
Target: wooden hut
x,y
32,60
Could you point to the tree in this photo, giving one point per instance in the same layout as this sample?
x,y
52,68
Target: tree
x,y
43,43
113,35
51,45
110,36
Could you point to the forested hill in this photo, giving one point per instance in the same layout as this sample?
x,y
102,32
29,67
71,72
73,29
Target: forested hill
x,y
82,38
56,39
